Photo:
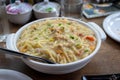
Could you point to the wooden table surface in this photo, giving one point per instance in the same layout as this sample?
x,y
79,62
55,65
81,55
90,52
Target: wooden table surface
x,y
106,61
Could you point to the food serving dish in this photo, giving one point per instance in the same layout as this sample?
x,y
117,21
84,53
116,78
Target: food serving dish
x,y
46,9
6,74
58,68
112,27
19,12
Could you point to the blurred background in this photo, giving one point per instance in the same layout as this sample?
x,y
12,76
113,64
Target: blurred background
x,y
29,1
35,1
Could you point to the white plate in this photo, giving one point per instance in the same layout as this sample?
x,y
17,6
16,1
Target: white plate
x,y
111,25
6,74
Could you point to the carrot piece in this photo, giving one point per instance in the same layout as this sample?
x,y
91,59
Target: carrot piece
x,y
92,47
90,38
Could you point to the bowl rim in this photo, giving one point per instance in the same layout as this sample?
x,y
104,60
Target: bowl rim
x,y
30,10
34,9
67,64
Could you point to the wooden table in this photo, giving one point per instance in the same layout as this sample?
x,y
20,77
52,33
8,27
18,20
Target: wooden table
x,y
106,61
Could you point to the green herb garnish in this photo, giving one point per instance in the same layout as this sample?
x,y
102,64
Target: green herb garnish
x,y
48,9
49,24
69,23
86,50
59,24
72,37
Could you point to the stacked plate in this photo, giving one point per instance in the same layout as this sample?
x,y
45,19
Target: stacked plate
x,y
111,25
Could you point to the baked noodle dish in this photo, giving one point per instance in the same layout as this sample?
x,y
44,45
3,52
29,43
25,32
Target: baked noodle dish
x,y
59,40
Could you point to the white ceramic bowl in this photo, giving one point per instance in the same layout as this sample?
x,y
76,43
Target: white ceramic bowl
x,y
58,68
21,18
40,14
